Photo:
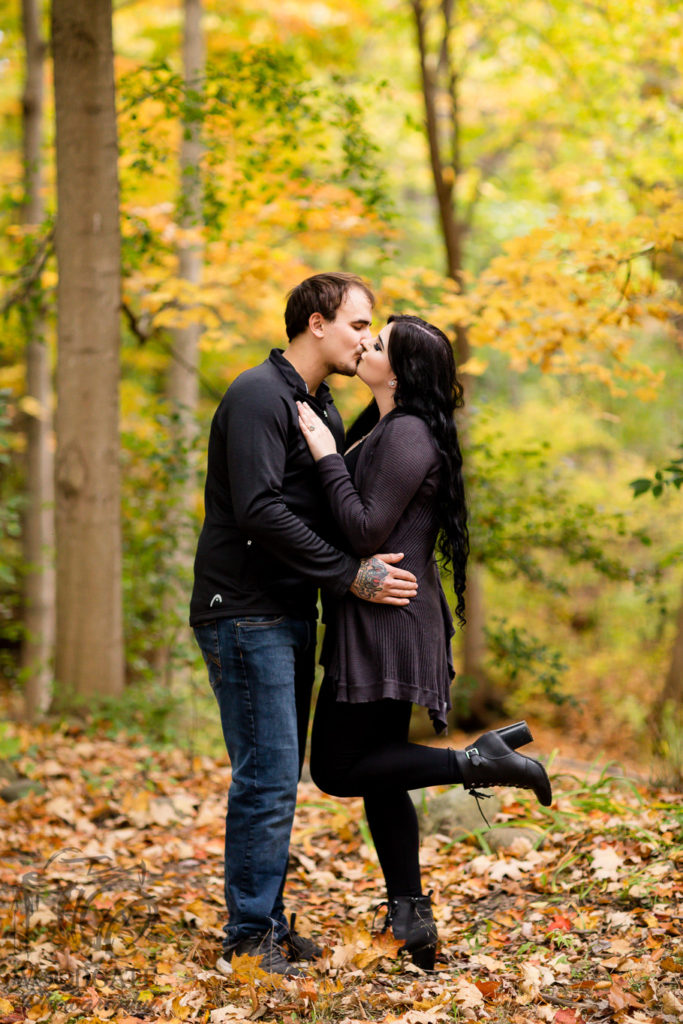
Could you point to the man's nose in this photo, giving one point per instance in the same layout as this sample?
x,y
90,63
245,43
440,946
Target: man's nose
x,y
366,339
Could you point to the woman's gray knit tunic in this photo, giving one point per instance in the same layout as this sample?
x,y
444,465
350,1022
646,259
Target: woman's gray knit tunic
x,y
374,651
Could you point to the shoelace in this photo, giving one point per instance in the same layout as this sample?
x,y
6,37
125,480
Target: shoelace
x,y
479,796
378,908
392,907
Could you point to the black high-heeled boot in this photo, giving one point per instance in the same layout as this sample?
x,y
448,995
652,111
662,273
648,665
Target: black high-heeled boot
x,y
491,761
412,921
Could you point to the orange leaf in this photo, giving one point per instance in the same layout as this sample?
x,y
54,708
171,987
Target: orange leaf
x,y
487,988
560,923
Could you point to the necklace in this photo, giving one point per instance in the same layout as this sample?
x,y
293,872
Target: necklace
x,y
359,441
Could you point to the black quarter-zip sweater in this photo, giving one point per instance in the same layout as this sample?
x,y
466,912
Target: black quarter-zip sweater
x,y
262,549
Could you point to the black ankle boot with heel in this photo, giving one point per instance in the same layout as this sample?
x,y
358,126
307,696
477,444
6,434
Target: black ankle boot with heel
x,y
411,921
492,761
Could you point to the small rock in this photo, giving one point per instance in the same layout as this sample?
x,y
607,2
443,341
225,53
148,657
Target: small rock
x,y
7,771
519,841
20,788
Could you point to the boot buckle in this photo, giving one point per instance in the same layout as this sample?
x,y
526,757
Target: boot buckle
x,y
471,750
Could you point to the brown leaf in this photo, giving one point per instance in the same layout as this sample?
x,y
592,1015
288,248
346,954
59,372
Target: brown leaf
x,y
567,1017
466,994
671,1003
620,999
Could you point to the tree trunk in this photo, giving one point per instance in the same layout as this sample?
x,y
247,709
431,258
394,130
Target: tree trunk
x,y
183,391
440,82
89,657
667,712
183,387
38,520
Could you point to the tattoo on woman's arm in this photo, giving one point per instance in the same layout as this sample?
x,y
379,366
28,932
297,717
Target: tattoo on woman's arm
x,y
369,578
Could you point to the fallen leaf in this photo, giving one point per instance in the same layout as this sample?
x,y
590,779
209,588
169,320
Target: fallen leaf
x,y
507,867
621,946
60,807
620,999
466,994
488,988
567,1017
227,1014
606,863
481,864
671,1003
560,923
489,962
534,978
436,1013
41,916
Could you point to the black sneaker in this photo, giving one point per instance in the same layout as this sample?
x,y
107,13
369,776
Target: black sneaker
x,y
270,953
298,947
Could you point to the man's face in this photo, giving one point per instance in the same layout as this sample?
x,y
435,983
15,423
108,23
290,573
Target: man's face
x,y
345,337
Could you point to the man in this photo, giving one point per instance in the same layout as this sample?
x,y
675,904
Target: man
x,y
260,559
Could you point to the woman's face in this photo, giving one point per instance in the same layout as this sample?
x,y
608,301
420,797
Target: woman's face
x,y
374,368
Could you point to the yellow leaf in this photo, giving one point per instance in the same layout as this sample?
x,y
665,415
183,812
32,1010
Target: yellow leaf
x,y
32,407
474,366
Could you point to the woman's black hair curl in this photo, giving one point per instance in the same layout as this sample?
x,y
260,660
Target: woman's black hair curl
x,y
427,386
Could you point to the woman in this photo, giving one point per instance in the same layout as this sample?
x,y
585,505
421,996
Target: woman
x,y
399,488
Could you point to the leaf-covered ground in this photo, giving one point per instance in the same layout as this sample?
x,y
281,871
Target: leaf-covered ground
x,y
111,903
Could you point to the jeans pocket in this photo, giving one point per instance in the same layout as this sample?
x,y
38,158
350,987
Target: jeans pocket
x,y
259,621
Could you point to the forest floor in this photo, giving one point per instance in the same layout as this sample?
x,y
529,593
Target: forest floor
x,y
111,901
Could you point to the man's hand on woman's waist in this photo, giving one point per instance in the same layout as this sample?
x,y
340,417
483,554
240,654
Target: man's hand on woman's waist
x,y
380,581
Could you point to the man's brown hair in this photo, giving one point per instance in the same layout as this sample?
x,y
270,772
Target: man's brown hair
x,y
322,293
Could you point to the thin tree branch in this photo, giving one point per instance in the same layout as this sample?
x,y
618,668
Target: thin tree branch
x,y
29,274
143,331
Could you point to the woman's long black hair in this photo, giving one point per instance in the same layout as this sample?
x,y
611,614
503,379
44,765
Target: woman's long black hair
x,y
427,386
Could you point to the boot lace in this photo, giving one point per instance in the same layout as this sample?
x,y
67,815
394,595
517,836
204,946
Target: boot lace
x,y
391,907
479,796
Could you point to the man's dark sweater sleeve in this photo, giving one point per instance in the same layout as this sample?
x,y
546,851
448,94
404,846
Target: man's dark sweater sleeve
x,y
257,452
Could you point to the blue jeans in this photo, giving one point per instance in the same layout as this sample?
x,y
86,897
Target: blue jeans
x,y
261,669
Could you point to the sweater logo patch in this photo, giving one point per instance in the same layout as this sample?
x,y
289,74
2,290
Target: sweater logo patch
x,y
216,599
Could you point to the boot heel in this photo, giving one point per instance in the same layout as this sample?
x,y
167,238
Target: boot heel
x,y
515,735
424,957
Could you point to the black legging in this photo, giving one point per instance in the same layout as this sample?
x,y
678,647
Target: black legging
x,y
363,750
